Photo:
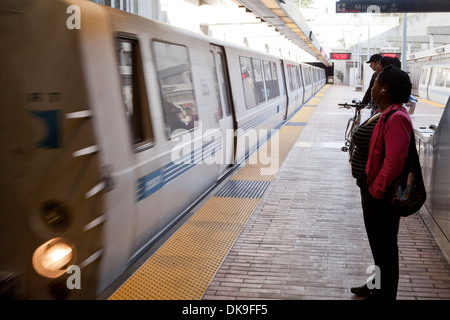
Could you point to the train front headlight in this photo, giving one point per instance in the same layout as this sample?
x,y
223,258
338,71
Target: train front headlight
x,y
53,258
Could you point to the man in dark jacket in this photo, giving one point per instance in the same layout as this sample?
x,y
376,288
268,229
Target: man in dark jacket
x,y
374,61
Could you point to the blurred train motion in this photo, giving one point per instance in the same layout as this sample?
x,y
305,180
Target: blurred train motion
x,y
91,118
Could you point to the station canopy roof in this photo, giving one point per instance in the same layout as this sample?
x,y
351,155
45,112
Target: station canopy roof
x,y
287,19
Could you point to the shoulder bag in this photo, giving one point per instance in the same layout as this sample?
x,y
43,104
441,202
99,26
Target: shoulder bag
x,y
407,192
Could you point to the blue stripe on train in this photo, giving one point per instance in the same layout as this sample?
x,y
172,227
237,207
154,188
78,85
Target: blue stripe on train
x,y
157,179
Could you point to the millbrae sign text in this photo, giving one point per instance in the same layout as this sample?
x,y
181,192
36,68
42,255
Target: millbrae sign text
x,y
391,6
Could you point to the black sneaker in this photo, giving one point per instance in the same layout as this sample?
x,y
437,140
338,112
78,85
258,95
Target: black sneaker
x,y
362,291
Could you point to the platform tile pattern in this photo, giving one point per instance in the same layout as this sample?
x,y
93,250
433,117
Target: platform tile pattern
x,y
306,237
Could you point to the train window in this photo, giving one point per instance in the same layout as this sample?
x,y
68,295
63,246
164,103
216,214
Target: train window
x,y
289,76
302,71
308,76
433,77
275,85
440,77
248,82
268,79
299,77
292,77
259,81
175,81
443,77
447,83
216,85
271,79
445,72
134,93
292,81
423,76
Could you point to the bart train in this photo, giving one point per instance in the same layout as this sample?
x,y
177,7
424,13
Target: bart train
x,y
430,73
434,83
111,130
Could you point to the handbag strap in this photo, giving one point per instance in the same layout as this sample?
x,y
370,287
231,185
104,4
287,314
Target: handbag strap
x,y
412,143
413,156
389,114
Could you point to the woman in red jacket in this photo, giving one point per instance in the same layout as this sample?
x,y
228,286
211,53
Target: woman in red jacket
x,y
387,153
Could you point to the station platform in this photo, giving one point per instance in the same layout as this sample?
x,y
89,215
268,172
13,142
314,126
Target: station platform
x,y
291,232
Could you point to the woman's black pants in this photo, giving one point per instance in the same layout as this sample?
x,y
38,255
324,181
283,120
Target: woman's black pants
x,y
382,224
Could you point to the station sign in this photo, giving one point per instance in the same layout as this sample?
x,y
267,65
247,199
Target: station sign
x,y
392,55
391,6
340,56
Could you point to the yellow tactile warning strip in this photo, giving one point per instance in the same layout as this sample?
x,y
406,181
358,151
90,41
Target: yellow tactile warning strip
x,y
253,173
314,101
303,115
185,265
432,103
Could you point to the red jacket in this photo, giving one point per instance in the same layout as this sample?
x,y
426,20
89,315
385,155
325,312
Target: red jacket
x,y
388,150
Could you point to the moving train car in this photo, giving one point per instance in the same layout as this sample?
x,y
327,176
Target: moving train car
x,y
113,126
434,83
417,61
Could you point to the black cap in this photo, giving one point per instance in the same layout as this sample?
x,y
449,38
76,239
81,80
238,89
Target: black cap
x,y
375,57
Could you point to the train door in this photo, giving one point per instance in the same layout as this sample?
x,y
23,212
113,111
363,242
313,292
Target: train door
x,y
424,81
226,119
307,82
